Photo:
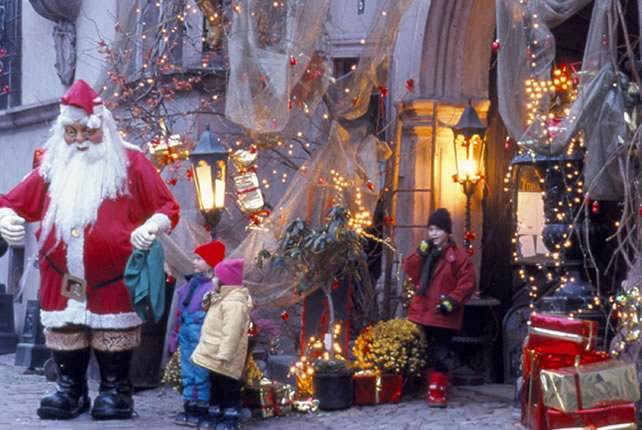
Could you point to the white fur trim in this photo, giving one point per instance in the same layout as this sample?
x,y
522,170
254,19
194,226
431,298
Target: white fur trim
x,y
74,314
70,114
162,221
75,252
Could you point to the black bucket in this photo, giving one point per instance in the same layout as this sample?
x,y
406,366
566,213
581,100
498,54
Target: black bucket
x,y
333,390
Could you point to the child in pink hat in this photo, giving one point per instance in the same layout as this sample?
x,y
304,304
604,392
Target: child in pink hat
x,y
223,346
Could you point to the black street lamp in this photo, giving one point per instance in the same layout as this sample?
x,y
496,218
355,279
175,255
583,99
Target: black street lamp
x,y
209,166
469,145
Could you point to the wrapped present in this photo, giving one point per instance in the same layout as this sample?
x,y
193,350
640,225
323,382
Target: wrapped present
x,y
617,417
590,386
268,399
373,389
533,409
561,335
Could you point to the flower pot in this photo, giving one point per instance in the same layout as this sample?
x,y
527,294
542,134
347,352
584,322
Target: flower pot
x,y
333,390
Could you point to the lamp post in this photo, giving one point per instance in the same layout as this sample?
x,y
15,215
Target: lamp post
x,y
209,166
469,145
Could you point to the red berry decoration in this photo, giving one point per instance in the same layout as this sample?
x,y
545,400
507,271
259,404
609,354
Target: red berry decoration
x,y
596,207
470,251
292,60
285,316
495,46
410,84
507,143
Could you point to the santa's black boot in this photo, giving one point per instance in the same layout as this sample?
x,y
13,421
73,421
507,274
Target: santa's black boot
x,y
114,399
70,398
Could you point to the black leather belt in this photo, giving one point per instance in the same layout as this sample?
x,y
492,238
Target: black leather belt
x,y
95,286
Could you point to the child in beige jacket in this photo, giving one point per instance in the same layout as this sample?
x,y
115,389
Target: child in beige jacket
x,y
223,346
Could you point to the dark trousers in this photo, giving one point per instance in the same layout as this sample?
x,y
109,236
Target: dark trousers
x,y
226,391
440,341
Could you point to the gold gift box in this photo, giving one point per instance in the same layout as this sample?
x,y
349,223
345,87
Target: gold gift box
x,y
590,385
268,399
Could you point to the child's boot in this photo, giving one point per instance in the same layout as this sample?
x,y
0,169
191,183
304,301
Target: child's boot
x,y
437,390
230,419
213,417
183,418
200,413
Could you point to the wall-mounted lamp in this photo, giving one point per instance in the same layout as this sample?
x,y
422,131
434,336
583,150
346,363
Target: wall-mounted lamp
x,y
209,166
469,145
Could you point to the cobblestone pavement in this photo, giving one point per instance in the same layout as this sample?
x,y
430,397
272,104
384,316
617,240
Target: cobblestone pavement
x,y
487,407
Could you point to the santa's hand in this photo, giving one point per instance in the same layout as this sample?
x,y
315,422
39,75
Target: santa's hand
x,y
12,228
143,237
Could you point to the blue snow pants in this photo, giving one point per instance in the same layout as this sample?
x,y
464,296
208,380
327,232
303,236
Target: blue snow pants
x,y
196,380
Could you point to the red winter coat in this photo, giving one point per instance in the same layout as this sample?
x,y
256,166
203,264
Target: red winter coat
x,y
453,276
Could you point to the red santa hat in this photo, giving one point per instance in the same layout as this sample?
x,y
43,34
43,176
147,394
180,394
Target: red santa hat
x,y
81,104
230,272
212,252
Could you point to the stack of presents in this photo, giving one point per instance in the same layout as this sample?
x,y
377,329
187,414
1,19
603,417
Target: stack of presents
x,y
271,398
568,384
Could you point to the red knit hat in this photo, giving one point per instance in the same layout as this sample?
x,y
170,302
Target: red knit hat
x,y
81,104
230,272
212,252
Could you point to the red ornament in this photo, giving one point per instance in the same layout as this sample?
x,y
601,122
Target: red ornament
x,y
290,105
285,316
410,84
5,89
495,45
169,279
207,227
383,91
596,207
470,235
3,52
172,181
470,251
370,185
292,60
507,143
455,178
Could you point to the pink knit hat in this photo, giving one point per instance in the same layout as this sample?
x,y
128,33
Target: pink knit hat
x,y
230,272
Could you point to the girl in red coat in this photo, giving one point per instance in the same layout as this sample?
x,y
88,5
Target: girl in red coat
x,y
444,278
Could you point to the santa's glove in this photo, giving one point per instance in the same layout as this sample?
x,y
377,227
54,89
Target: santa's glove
x,y
423,248
447,305
12,228
143,237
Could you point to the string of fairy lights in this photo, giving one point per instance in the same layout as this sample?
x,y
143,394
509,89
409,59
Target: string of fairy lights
x,y
623,307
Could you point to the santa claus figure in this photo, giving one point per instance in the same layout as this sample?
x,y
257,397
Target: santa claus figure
x,y
95,196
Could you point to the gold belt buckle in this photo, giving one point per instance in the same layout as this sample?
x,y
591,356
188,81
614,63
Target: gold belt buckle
x,y
73,287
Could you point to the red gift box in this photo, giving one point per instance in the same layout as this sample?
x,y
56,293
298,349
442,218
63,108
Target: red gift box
x,y
533,409
561,335
376,389
617,417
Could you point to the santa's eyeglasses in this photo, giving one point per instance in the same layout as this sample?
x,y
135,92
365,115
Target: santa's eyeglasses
x,y
86,133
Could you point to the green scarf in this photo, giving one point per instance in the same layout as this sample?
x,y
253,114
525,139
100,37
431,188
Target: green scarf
x,y
428,268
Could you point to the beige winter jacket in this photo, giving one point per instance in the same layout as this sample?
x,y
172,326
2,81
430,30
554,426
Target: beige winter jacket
x,y
223,344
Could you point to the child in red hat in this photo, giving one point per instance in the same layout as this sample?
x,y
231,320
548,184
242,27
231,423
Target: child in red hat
x,y
224,343
187,328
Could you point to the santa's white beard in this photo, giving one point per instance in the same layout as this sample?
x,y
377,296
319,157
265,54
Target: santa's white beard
x,y
79,182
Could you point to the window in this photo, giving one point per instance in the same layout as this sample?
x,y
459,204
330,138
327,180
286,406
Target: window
x,y
10,53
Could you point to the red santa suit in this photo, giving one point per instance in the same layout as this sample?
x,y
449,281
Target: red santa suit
x,y
100,253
